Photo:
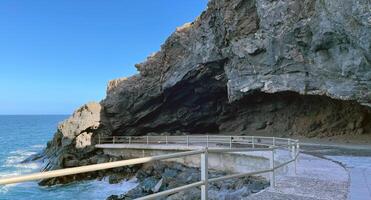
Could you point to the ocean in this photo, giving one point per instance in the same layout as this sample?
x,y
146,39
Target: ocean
x,y
24,135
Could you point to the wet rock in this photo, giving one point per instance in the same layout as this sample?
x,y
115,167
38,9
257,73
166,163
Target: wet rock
x,y
117,178
149,183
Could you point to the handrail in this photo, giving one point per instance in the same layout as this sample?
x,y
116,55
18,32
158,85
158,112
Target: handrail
x,y
95,167
206,143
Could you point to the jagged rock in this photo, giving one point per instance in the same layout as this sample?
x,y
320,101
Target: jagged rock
x,y
74,135
154,180
157,186
236,48
304,66
149,183
83,140
85,118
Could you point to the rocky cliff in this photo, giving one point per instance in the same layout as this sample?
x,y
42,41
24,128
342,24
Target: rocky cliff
x,y
278,67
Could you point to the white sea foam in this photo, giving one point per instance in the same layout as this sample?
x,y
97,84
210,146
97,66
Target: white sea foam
x,y
13,163
13,167
93,190
5,188
104,189
16,157
22,152
31,166
8,174
38,146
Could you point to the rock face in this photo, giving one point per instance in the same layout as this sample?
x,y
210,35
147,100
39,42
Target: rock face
x,y
282,67
74,138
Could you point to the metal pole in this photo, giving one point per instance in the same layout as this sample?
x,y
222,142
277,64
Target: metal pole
x,y
272,174
129,140
274,141
187,140
204,175
293,151
207,141
230,142
297,154
113,139
253,141
166,139
147,140
99,139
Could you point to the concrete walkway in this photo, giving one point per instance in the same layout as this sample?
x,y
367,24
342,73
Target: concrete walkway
x,y
360,187
316,179
360,176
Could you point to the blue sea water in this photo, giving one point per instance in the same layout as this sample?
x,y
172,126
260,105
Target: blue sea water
x,y
22,136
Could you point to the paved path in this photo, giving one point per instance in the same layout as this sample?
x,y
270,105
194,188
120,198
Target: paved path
x,y
316,179
360,187
360,176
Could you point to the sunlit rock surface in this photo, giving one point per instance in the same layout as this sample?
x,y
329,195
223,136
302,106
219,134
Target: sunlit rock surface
x,y
282,68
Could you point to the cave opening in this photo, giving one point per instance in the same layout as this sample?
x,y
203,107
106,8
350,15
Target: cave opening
x,y
198,104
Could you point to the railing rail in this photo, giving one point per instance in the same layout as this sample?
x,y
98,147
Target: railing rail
x,y
202,146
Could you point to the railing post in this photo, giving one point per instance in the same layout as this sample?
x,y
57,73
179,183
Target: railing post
x,y
113,139
253,141
99,139
272,174
297,154
274,141
187,140
166,139
230,142
293,153
204,175
129,140
207,140
147,140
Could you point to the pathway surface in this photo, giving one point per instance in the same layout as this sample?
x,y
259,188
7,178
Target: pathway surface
x,y
316,179
360,175
356,159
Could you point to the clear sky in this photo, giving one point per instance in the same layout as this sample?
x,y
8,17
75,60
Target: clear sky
x,y
58,55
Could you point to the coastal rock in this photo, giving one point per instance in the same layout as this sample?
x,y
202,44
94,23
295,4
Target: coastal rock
x,y
85,118
153,178
239,50
73,143
278,68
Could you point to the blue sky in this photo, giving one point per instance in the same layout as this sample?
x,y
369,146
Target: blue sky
x,y
57,55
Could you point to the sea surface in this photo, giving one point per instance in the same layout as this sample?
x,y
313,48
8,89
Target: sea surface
x,y
24,135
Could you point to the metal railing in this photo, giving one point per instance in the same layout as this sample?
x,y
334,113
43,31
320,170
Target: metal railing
x,y
199,145
199,140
